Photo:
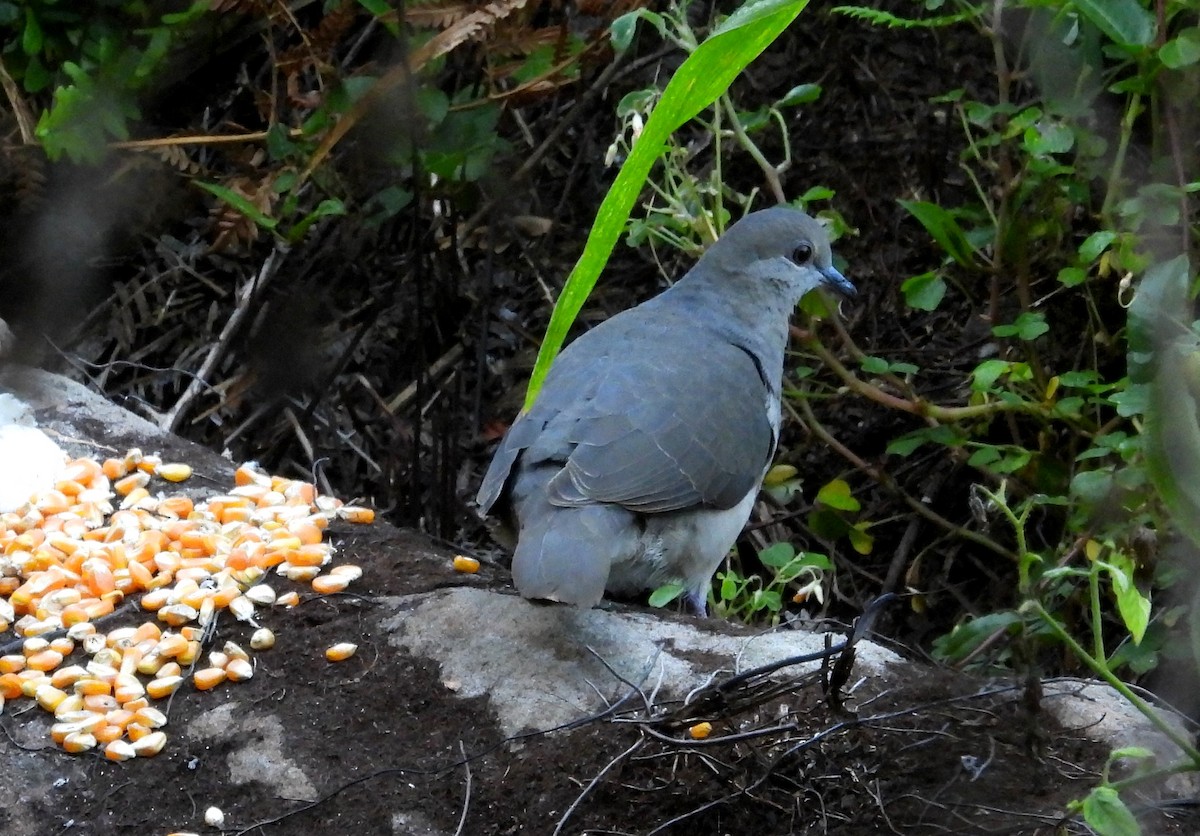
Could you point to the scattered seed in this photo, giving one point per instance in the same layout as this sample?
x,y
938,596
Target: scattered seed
x,y
467,565
341,651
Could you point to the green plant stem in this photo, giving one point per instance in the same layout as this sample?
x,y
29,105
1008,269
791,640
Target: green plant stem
x,y
752,149
1154,774
1101,669
1094,604
1114,178
916,406
885,479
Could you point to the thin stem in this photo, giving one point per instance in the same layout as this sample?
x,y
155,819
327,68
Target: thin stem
x,y
1100,669
753,150
1114,178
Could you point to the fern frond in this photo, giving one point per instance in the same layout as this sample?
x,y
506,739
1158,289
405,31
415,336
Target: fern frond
x,y
878,17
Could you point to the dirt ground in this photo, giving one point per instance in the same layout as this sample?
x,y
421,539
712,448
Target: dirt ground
x,y
391,748
396,751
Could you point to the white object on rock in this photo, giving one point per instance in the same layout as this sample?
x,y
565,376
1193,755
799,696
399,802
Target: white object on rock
x,y
29,462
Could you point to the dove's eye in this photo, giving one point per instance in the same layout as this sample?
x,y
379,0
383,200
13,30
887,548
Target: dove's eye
x,y
802,254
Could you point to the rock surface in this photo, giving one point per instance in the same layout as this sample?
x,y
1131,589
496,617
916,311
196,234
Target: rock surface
x,y
470,710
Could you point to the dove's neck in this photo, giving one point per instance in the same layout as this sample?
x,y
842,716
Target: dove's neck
x,y
753,322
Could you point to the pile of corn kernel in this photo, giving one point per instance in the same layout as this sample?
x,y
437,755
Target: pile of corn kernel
x,y
98,539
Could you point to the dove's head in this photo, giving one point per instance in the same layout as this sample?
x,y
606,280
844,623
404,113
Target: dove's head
x,y
779,253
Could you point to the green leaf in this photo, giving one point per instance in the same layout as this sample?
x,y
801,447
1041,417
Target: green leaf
x,y
1126,22
985,375
924,292
1051,138
940,224
1163,360
800,94
815,193
1029,326
1135,400
942,434
329,206
729,586
31,36
240,204
665,594
836,494
1096,244
777,555
1072,276
779,475
1181,51
703,76
1106,813
860,540
622,31
1131,604
874,365
967,636
1140,753
379,8
1092,486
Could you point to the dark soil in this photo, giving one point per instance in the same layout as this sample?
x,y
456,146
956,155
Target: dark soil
x,y
392,749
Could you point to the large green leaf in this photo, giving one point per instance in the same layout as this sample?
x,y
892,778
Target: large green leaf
x,y
705,75
1127,22
940,224
1164,357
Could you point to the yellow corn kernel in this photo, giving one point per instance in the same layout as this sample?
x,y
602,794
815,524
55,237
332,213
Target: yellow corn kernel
x,y
176,615
207,678
47,660
261,593
73,702
100,703
348,571
239,670
49,697
151,718
90,685
119,750
700,731
329,584
162,687
127,484
191,654
341,651
466,565
175,472
356,514
76,742
136,731
107,733
67,677
150,745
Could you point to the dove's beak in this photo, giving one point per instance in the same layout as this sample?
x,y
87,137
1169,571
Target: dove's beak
x,y
838,283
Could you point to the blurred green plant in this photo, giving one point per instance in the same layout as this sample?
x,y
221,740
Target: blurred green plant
x,y
1102,464
96,58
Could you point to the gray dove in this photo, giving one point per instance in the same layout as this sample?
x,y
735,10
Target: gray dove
x,y
641,458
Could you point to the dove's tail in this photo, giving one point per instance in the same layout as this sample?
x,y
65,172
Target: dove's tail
x,y
564,554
